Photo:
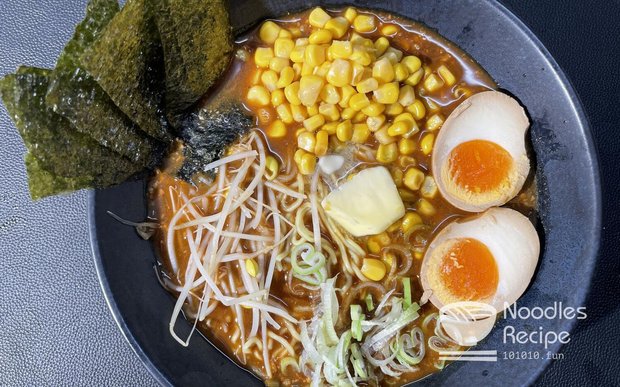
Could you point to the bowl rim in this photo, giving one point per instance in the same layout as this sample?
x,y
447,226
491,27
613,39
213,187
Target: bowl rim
x,y
592,246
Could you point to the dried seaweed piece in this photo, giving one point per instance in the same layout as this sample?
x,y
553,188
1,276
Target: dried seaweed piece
x,y
58,147
75,95
208,132
43,183
127,62
197,42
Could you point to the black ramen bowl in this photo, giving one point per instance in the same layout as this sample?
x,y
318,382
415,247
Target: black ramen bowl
x,y
569,207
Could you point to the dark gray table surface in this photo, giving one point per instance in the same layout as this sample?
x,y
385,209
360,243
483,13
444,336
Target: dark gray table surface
x,y
55,328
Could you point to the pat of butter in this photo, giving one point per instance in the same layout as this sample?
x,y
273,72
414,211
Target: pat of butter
x,y
367,204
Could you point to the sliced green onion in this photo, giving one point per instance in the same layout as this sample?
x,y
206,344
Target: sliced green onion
x,y
406,292
357,360
311,269
369,304
407,316
356,322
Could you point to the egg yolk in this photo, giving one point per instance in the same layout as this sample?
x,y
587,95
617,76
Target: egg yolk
x,y
479,165
469,271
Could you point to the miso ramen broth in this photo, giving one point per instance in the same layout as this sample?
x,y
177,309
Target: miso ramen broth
x,y
257,253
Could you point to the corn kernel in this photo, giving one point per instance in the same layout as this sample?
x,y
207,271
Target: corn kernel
x,y
388,258
374,122
259,96
381,45
406,96
269,79
389,30
383,137
410,220
393,55
383,71
307,164
387,94
318,17
373,246
284,112
338,26
272,168
417,109
284,33
432,106
314,55
283,47
367,85
269,32
313,110
406,195
361,57
297,69
387,153
309,89
406,161
434,122
322,141
341,49
320,37
330,94
299,154
413,179
292,93
433,83
329,111
350,14
322,70
446,75
415,77
330,127
359,118
425,207
306,141
298,54
360,133
398,128
394,109
429,188
400,72
397,176
251,267
299,113
339,73
374,109
344,131
407,117
313,122
277,97
413,63
426,144
347,113
373,269
358,101
255,79
262,56
278,64
277,129
357,73
406,146
461,91
364,23
286,77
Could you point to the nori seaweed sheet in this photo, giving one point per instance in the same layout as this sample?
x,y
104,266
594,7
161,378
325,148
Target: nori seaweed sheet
x,y
208,132
127,61
197,41
43,183
75,95
59,147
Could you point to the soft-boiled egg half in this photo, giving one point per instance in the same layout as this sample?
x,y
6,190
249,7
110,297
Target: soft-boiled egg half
x,y
488,258
479,158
